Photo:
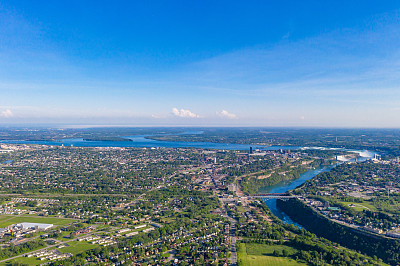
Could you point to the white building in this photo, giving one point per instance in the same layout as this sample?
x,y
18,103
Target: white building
x,y
35,226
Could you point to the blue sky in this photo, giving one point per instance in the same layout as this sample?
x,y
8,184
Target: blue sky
x,y
201,63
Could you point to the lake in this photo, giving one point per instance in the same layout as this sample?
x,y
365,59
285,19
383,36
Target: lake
x,y
140,141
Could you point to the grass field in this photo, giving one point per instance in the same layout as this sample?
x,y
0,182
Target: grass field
x,y
267,250
259,255
24,260
241,209
6,220
359,206
76,247
63,234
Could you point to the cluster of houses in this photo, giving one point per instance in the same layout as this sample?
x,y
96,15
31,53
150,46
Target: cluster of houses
x,y
49,255
83,231
11,210
106,241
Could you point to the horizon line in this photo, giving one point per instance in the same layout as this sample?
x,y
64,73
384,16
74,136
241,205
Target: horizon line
x,y
83,126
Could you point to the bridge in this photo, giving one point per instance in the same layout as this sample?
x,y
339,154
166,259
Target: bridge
x,y
272,196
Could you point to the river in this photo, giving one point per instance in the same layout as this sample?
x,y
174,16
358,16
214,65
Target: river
x,y
141,141
286,186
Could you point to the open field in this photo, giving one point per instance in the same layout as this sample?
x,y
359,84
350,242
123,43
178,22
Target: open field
x,y
76,247
263,250
23,261
359,206
268,260
6,220
241,209
258,255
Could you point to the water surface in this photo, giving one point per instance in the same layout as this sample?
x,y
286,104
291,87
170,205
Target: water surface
x,y
141,141
285,186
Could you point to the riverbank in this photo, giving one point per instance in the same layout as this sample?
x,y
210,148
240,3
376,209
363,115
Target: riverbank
x,y
384,248
255,184
286,186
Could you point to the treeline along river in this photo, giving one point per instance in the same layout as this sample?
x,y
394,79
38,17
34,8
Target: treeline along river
x,y
142,141
296,212
383,248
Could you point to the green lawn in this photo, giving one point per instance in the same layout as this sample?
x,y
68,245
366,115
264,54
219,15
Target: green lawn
x,y
6,216
76,247
263,250
258,255
6,220
241,209
359,206
24,260
63,234
268,260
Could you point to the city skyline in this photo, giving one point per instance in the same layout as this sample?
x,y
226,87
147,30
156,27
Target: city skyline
x,y
307,64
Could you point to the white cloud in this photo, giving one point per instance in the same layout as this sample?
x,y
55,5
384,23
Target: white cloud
x,y
184,113
226,114
302,117
6,113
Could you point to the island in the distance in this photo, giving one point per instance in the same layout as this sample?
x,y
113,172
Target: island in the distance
x,y
103,204
106,139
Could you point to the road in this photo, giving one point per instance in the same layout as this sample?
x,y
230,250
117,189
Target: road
x,y
133,202
232,234
233,242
